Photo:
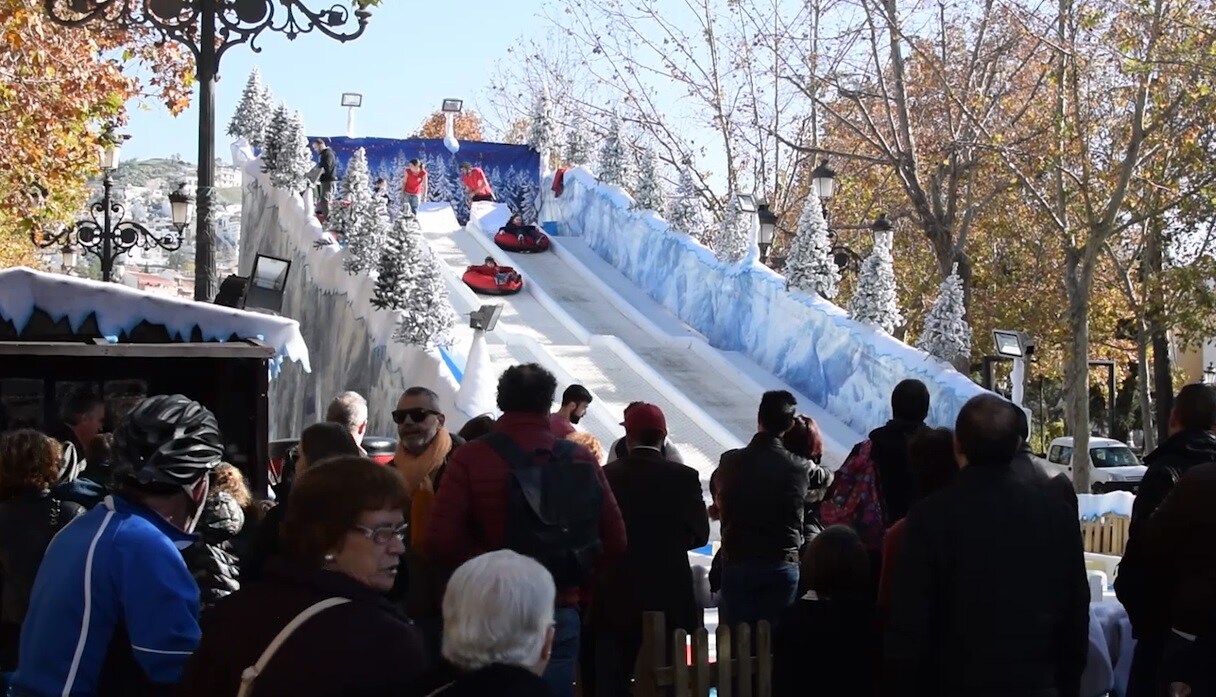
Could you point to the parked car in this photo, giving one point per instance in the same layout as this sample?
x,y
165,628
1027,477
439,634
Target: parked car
x,y
282,451
1113,465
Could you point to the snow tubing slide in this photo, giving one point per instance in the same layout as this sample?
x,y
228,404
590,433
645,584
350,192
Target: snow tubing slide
x,y
524,245
484,280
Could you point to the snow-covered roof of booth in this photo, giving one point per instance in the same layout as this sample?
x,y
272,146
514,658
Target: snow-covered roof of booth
x,y
119,309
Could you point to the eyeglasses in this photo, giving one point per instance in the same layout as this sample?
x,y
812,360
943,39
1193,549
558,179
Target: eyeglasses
x,y
416,415
385,533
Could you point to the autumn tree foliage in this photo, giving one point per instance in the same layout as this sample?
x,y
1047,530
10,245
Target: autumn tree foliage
x,y
58,86
468,126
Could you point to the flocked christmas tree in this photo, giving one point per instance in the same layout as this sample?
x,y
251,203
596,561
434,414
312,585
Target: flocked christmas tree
x,y
648,192
874,299
428,315
810,266
542,134
275,138
733,240
615,161
393,277
253,112
947,334
362,219
687,212
578,143
440,179
524,194
293,160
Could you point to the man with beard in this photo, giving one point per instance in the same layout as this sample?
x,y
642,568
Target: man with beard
x,y
423,448
575,401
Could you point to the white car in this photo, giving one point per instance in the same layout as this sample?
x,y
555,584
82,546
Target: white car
x,y
1113,465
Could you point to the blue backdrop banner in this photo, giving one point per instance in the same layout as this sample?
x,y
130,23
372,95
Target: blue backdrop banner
x,y
513,170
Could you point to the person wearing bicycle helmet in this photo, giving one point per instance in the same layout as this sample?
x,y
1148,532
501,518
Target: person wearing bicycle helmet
x,y
114,611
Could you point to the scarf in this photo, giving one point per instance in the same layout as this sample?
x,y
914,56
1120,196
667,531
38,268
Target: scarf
x,y
419,471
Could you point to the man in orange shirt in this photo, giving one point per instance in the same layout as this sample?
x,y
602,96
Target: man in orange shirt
x,y
475,182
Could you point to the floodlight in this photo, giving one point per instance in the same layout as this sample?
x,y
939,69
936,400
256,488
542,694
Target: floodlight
x,y
747,203
452,106
267,283
352,99
485,318
1008,343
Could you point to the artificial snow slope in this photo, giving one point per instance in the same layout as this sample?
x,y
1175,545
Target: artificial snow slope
x,y
533,328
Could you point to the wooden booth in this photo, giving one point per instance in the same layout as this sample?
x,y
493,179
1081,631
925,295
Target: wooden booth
x,y
59,334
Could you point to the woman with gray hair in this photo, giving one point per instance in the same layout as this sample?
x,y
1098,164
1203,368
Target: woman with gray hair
x,y
498,626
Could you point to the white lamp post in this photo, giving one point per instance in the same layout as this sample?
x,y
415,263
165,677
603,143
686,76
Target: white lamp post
x,y
451,107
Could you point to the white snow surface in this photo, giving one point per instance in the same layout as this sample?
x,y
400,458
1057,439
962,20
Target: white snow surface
x,y
845,367
119,309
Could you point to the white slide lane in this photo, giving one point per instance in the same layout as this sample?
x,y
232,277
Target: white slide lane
x,y
581,318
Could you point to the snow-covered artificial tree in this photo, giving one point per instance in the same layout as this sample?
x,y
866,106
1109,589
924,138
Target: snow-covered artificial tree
x,y
524,195
578,143
275,138
733,240
441,189
615,160
947,334
875,299
253,112
648,192
810,266
686,212
293,161
428,317
542,133
393,277
362,220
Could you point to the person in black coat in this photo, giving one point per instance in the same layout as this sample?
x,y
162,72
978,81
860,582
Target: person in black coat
x,y
1191,443
665,517
210,559
762,503
828,642
989,595
1037,470
29,517
889,447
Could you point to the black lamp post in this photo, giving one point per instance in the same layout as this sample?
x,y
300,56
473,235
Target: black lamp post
x,y
823,180
106,235
768,229
1209,374
209,28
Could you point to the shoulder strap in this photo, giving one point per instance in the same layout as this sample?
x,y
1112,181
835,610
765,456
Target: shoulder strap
x,y
508,449
563,451
250,674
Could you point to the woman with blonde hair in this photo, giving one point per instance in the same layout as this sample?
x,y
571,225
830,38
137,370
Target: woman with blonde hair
x,y
30,464
590,442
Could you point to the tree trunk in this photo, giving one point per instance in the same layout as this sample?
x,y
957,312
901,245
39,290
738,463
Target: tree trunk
x,y
1144,387
1077,282
1163,381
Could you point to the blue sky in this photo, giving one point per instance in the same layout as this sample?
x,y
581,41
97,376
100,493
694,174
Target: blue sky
x,y
412,55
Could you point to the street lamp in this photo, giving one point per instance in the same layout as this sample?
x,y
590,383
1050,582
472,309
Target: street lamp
x,y
352,101
1209,374
180,202
107,236
823,178
768,230
208,28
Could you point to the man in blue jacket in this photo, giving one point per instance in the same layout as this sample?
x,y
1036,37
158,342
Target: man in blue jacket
x,y
114,611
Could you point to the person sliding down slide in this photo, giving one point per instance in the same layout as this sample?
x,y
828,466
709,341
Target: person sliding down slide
x,y
515,226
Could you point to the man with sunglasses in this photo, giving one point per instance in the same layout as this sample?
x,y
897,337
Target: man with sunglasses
x,y
423,448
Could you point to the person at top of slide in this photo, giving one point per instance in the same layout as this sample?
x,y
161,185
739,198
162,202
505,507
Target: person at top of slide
x,y
475,182
417,185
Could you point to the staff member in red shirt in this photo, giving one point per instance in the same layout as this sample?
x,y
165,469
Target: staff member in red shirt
x,y
417,185
476,183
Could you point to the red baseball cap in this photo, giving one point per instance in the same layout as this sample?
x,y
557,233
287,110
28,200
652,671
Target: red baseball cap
x,y
644,417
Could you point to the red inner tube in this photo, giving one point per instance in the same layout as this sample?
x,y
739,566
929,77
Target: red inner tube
x,y
512,243
483,279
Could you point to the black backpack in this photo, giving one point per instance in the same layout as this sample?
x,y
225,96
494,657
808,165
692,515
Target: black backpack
x,y
553,509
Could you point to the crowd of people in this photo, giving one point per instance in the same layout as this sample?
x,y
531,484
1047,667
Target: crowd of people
x,y
517,556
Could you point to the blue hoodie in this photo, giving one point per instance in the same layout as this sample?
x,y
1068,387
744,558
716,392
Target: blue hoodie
x,y
115,570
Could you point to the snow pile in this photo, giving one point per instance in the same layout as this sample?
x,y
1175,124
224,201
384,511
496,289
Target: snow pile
x,y
119,309
1093,506
352,341
846,367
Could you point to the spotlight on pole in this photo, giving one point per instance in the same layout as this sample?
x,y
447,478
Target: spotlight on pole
x,y
485,318
352,101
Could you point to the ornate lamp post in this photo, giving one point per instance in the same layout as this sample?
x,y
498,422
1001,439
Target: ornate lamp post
x,y
209,28
1209,374
106,235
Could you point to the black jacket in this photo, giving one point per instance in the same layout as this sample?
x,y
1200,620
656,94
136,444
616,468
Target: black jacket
x,y
664,516
329,166
1166,465
211,560
27,524
889,452
363,648
1034,469
496,679
763,494
967,619
827,647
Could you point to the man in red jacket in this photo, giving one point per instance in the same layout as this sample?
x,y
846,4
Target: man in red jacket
x,y
470,514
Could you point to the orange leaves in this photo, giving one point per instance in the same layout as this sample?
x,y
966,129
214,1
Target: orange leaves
x,y
468,126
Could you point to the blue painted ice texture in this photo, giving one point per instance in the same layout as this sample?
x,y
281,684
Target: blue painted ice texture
x,y
447,358
846,367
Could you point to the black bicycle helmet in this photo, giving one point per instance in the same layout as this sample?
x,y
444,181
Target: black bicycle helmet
x,y
168,439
